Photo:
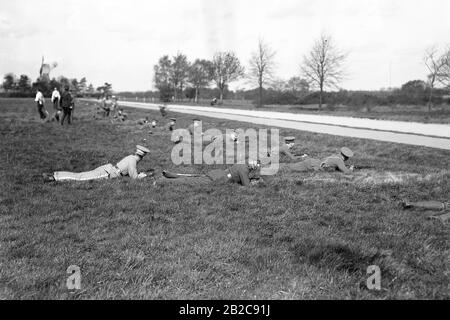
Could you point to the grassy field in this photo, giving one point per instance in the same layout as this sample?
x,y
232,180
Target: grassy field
x,y
281,239
438,114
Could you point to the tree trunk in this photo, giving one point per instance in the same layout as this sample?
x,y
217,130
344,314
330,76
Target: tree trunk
x,y
181,92
260,96
430,98
196,94
320,98
221,96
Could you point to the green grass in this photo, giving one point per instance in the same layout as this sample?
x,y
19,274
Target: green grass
x,y
279,240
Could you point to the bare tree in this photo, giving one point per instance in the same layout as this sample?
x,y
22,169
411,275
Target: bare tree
x,y
262,66
226,68
438,66
445,76
323,66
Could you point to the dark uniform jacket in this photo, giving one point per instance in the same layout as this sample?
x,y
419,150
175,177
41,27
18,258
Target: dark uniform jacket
x,y
238,173
66,100
335,162
331,163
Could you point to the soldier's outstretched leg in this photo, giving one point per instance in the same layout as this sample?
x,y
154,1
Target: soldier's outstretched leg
x,y
103,172
429,205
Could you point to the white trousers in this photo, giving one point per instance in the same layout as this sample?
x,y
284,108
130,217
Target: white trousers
x,y
104,172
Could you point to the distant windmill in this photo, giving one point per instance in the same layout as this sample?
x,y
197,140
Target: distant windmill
x,y
44,71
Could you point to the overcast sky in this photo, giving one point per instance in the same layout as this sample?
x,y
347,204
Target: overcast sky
x,y
119,41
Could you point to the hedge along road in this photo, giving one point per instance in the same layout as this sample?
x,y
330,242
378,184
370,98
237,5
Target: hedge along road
x,y
413,133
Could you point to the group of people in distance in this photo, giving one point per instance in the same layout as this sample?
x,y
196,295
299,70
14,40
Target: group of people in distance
x,y
63,105
109,106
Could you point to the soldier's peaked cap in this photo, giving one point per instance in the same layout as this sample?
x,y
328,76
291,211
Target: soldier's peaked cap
x,y
196,119
142,151
347,152
289,139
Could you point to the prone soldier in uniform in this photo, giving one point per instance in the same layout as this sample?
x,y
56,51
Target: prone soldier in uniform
x,y
142,121
195,123
172,123
120,116
106,106
125,167
242,174
285,149
191,128
331,163
231,136
163,111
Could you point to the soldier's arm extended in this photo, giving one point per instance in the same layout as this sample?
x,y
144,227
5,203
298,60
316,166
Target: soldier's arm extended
x,y
341,166
132,172
245,180
289,154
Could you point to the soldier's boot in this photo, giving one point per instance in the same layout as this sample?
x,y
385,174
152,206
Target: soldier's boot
x,y
170,175
48,177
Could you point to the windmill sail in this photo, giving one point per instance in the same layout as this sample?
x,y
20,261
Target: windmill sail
x,y
45,69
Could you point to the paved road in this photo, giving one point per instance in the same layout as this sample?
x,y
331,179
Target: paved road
x,y
413,133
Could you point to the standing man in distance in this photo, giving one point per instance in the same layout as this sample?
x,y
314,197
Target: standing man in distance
x,y
43,114
56,97
66,105
114,104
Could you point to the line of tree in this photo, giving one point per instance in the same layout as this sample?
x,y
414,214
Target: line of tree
x,y
173,76
322,68
22,86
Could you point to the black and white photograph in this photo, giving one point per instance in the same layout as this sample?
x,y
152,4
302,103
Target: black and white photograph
x,y
249,151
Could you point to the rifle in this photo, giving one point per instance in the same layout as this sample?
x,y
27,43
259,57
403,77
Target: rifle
x,y
362,167
168,174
